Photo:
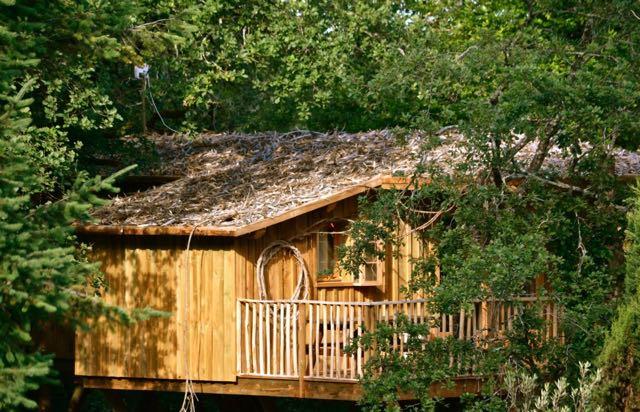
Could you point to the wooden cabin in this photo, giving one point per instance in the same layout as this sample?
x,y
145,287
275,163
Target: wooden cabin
x,y
245,320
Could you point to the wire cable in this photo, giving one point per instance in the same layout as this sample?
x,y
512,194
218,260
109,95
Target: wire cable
x,y
153,104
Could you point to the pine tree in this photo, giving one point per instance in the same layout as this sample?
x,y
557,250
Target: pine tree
x,y
43,275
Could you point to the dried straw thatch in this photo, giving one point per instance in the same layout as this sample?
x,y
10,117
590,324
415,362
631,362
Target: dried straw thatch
x,y
231,180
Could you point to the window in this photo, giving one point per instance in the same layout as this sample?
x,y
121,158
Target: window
x,y
371,272
328,267
329,272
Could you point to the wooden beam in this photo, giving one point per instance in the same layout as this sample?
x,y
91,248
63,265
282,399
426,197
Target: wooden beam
x,y
289,388
260,233
154,230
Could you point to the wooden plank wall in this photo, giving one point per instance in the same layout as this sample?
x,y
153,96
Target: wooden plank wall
x,y
281,276
402,264
151,271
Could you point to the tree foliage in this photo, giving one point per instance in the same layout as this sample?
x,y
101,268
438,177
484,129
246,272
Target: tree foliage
x,y
619,357
561,69
45,276
512,73
504,73
496,243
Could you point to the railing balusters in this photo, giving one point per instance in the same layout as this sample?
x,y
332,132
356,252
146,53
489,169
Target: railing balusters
x,y
351,334
394,324
274,347
282,333
288,339
294,345
247,353
310,341
345,359
260,340
267,328
254,360
359,349
338,343
319,340
332,360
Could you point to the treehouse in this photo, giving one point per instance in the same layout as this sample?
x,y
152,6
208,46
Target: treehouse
x,y
238,242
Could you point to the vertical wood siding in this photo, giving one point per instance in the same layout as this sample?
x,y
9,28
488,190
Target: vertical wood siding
x,y
151,272
282,273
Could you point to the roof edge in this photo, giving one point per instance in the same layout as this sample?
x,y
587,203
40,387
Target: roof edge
x,y
386,182
382,181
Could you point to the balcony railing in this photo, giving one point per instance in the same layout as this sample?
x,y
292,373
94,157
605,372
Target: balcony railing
x,y
293,339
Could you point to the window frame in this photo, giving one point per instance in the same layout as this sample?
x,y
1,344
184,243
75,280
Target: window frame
x,y
345,279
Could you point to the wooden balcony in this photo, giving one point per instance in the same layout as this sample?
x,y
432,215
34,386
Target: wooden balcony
x,y
307,339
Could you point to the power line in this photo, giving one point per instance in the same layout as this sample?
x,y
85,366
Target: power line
x,y
153,103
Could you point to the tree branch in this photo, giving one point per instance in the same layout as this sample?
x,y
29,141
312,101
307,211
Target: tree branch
x,y
515,149
543,146
495,161
565,186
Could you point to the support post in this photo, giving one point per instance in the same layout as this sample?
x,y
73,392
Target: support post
x,y
302,343
76,398
238,337
485,320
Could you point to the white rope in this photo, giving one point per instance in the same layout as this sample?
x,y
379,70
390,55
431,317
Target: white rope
x,y
190,398
302,287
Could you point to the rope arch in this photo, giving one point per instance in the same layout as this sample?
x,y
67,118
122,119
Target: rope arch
x,y
301,291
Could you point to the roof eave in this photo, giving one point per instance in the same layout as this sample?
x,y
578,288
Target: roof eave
x,y
386,182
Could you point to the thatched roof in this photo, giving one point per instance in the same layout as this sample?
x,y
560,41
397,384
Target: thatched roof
x,y
233,180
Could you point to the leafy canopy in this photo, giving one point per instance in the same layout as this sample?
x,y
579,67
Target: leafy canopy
x,y
505,73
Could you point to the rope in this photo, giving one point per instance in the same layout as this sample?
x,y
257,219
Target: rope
x,y
190,397
301,291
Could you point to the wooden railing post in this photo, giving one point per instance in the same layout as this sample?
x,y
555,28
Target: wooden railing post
x,y
238,337
484,319
302,343
461,324
373,325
